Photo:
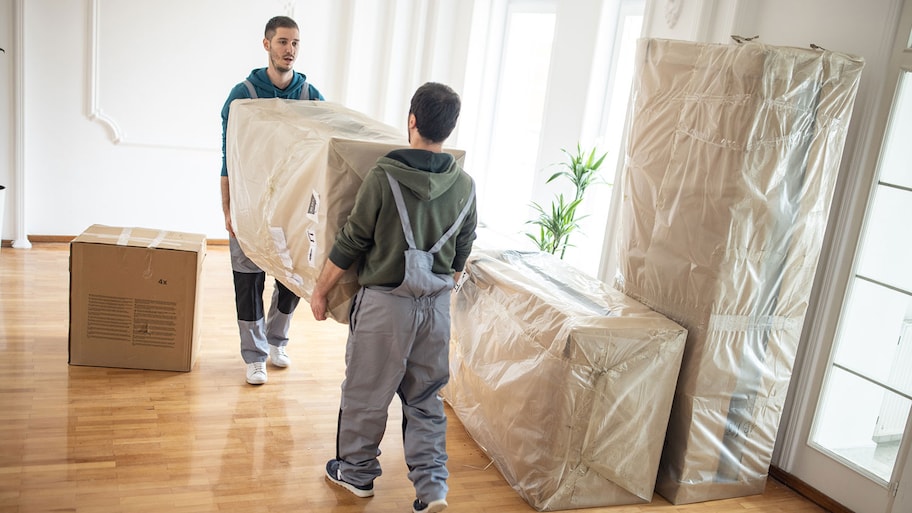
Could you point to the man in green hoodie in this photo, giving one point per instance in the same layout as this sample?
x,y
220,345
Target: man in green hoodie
x,y
261,338
411,230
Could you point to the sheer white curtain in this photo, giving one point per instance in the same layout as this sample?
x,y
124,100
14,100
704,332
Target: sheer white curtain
x,y
377,52
535,76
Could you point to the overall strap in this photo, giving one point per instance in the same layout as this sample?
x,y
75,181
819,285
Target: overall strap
x,y
456,224
407,225
304,93
403,213
250,89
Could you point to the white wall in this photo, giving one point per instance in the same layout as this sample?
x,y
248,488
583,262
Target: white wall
x,y
6,111
154,83
122,100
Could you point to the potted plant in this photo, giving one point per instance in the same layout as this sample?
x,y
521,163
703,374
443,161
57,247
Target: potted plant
x,y
556,224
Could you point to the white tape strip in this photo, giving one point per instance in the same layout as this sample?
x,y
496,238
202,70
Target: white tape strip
x,y
751,323
158,238
124,238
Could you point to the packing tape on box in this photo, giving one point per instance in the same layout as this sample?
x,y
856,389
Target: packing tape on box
x,y
125,237
752,322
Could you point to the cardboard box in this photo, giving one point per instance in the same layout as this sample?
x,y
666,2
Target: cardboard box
x,y
295,168
135,298
565,383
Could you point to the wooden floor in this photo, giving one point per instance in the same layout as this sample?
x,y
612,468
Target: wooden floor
x,y
91,439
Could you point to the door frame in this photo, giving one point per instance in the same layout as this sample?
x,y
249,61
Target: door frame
x,y
795,454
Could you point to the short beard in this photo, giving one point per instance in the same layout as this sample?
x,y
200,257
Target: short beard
x,y
279,65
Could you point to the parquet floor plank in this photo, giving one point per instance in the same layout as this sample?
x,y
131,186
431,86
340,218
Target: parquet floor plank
x,y
100,440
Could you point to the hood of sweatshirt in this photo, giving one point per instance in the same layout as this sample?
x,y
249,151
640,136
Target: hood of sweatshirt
x,y
266,89
425,173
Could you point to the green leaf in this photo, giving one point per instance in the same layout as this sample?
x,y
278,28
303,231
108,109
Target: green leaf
x,y
555,226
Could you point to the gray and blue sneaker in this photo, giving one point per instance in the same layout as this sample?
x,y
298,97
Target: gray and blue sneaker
x,y
334,474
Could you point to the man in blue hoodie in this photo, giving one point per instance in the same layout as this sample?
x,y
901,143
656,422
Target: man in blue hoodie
x,y
261,338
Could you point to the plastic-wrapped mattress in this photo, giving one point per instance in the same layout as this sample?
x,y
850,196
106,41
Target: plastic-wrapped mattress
x,y
564,382
731,161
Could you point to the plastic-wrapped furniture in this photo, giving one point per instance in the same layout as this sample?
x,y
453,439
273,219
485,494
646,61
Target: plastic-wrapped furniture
x,y
732,157
564,382
294,169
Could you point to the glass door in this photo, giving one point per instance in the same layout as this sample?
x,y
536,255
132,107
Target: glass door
x,y
863,414
859,439
871,367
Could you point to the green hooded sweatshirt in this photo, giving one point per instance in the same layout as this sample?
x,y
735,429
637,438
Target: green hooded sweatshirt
x,y
434,189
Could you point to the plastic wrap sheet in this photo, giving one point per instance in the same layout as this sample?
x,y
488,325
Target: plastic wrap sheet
x,y
294,169
731,161
564,382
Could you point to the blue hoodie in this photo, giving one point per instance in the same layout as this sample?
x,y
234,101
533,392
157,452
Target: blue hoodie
x,y
264,89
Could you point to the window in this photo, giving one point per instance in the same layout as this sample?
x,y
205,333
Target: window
x,y
520,99
517,121
621,26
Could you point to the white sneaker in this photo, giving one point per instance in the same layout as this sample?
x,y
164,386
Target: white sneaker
x,y
256,373
278,356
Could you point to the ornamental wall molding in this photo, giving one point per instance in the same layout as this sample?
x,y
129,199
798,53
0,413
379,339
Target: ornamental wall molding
x,y
94,109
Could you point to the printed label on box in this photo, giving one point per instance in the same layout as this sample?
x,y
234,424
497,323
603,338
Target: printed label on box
x,y
141,321
312,250
314,207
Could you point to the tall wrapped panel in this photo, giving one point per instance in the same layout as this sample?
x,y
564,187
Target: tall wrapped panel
x,y
731,162
564,382
294,168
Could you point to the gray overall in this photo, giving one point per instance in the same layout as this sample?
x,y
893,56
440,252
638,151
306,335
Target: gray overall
x,y
259,331
256,333
399,343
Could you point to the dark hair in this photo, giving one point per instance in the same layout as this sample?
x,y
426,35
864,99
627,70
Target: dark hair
x,y
278,22
436,109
